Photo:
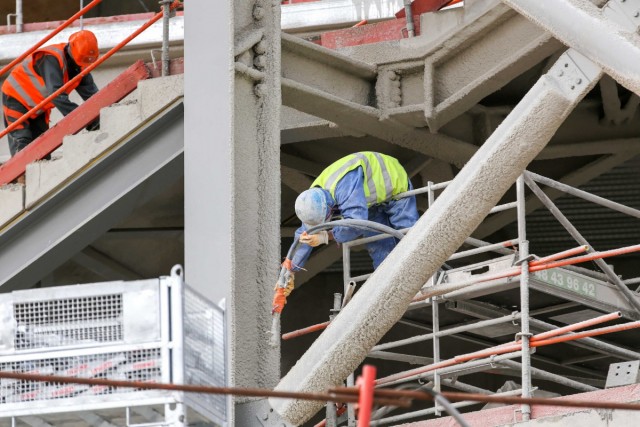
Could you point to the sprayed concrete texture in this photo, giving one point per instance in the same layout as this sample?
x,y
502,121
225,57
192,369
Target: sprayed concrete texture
x,y
254,165
11,201
116,122
612,42
454,216
555,416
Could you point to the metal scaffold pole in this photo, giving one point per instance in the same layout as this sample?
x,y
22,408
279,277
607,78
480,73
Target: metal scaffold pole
x,y
525,333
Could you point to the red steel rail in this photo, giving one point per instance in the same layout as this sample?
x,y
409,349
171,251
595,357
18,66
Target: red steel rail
x,y
61,27
351,394
20,168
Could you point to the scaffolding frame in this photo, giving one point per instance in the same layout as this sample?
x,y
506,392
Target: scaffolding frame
x,y
584,287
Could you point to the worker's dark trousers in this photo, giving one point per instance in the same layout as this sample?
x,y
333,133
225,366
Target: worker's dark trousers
x,y
29,130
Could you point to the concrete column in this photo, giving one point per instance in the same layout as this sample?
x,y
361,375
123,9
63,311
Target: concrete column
x,y
232,173
437,235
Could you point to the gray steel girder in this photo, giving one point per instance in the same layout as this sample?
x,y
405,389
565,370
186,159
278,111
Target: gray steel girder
x,y
611,41
99,198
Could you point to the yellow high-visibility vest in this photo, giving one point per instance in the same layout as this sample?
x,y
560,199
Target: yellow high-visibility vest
x,y
384,176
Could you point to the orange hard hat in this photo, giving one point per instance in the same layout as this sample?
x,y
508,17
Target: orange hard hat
x,y
83,47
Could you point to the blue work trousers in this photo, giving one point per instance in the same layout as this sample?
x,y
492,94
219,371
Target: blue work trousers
x,y
397,214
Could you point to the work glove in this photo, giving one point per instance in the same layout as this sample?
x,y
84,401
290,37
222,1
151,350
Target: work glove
x,y
313,240
94,125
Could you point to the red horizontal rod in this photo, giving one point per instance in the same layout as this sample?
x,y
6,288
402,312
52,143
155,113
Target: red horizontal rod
x,y
561,263
305,331
536,341
560,255
62,26
87,70
575,326
508,273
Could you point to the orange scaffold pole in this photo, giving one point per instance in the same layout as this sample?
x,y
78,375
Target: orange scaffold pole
x,y
552,261
62,26
539,340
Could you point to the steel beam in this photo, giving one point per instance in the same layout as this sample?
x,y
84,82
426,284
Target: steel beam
x,y
368,120
575,178
435,237
104,266
50,234
611,42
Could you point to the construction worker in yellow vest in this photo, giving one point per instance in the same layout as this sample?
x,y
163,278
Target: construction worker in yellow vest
x,y
358,186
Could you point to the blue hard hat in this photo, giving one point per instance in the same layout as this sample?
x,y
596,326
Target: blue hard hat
x,y
312,207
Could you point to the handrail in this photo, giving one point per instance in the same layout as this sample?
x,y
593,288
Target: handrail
x,y
87,70
61,27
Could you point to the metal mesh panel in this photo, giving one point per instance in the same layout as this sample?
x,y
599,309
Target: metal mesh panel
x,y
69,321
139,365
204,356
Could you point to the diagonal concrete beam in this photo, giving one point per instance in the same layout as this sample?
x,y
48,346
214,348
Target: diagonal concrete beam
x,y
611,40
452,218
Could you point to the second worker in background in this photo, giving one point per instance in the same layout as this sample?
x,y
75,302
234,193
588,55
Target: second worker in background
x,y
42,73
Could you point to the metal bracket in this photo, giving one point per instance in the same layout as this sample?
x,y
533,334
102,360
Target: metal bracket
x,y
528,258
624,12
573,71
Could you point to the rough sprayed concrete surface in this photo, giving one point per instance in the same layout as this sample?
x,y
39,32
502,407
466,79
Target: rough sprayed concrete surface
x,y
11,202
116,122
594,417
454,216
556,416
255,207
611,42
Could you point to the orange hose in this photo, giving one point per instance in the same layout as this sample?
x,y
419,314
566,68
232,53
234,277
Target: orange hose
x,y
62,26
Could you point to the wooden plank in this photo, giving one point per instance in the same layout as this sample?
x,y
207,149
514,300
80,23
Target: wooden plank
x,y
74,122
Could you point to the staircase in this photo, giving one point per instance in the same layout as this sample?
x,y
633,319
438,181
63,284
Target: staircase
x,y
91,182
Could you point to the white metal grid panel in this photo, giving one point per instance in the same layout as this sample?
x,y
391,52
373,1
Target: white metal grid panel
x,y
136,365
69,321
204,352
80,316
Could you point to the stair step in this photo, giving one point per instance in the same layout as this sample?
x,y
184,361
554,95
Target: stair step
x,y
118,119
11,202
156,94
42,177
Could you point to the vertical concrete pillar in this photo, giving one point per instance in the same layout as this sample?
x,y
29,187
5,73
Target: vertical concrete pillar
x,y
232,173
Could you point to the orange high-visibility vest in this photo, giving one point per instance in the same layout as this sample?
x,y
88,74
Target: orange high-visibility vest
x,y
28,87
